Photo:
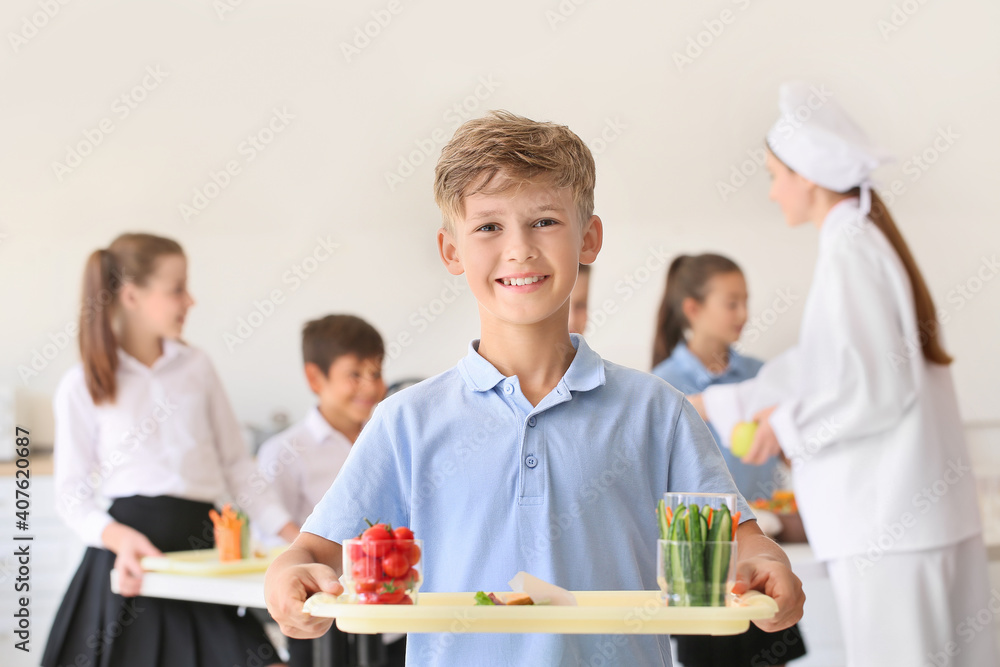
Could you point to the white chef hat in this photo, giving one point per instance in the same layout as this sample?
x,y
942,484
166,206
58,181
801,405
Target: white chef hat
x,y
816,138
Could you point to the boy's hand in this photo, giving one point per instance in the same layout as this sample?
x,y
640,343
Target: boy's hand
x,y
776,580
294,576
764,567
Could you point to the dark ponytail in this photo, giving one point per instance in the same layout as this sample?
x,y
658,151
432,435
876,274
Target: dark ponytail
x,y
129,258
687,277
927,324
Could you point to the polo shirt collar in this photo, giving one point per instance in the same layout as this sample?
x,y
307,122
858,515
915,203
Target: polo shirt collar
x,y
693,364
319,428
586,371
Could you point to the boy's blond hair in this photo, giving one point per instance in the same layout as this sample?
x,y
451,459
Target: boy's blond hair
x,y
517,150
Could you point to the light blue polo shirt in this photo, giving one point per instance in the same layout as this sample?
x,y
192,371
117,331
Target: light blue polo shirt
x,y
565,490
686,372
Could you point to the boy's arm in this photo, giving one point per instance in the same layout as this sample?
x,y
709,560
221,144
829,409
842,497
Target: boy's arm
x,y
311,564
764,567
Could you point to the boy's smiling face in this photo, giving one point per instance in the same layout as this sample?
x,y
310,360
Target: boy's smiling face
x,y
520,249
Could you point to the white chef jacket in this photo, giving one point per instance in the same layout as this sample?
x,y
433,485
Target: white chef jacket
x,y
872,428
302,461
171,431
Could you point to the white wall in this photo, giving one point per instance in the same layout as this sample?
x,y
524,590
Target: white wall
x,y
682,131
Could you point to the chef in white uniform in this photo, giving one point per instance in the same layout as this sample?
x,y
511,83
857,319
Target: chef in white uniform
x,y
865,409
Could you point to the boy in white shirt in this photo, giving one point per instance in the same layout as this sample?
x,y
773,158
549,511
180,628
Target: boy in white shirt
x,y
342,355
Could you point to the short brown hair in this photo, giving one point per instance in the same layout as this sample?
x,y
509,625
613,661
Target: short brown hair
x,y
518,148
327,339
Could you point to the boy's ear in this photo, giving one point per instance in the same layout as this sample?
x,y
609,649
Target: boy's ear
x,y
449,252
593,240
315,377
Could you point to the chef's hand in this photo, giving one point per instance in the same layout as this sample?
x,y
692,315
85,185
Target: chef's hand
x,y
699,404
775,579
129,546
765,442
294,576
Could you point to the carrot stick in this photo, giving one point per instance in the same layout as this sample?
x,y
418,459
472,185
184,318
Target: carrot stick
x,y
736,523
710,517
670,516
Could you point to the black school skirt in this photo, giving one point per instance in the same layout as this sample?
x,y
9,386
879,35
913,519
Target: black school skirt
x,y
98,628
753,648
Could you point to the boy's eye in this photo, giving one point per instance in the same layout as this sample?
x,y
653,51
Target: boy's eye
x,y
489,227
547,222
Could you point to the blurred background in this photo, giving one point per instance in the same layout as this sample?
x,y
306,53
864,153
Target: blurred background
x,y
289,147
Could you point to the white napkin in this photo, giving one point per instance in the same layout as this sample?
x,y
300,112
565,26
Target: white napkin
x,y
541,592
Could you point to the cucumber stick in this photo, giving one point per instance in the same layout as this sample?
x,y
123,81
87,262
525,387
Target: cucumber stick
x,y
677,568
717,557
697,563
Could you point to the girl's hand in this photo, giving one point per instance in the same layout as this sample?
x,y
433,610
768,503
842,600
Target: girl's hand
x,y
130,546
699,404
765,442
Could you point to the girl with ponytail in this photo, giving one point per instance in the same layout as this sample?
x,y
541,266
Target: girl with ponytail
x,y
702,313
865,408
143,422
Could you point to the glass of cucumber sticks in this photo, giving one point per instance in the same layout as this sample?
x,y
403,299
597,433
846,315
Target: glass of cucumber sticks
x,y
696,555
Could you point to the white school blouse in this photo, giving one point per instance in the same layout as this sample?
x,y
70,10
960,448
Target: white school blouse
x,y
872,429
170,432
302,461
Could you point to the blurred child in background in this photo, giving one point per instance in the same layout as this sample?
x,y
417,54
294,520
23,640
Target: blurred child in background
x,y
146,417
343,366
701,316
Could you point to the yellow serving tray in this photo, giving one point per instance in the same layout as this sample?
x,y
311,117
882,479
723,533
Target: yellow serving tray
x,y
205,562
597,612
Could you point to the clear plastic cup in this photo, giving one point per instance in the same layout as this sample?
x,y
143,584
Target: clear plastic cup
x,y
692,574
696,563
383,571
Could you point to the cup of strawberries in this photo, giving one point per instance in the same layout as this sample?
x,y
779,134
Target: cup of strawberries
x,y
383,565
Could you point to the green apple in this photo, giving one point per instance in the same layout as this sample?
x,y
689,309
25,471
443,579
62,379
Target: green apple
x,y
742,438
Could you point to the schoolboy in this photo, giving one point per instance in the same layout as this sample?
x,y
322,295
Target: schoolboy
x,y
342,361
533,453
